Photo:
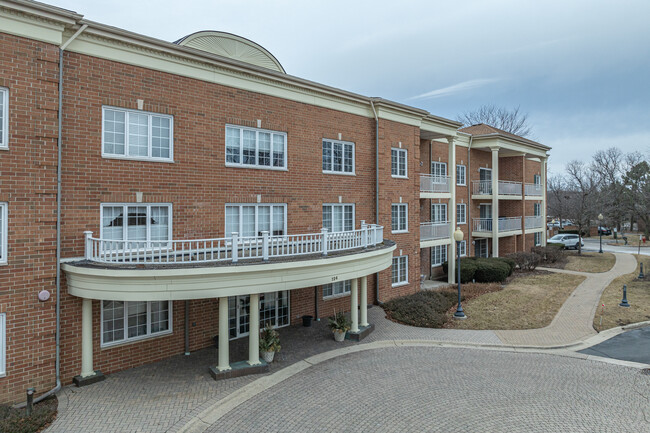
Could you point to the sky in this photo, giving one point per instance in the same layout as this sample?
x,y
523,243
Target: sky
x,y
580,69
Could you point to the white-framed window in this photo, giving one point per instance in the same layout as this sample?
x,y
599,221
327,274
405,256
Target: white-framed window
x,y
253,147
439,168
439,212
461,213
338,217
398,162
399,218
338,157
3,344
537,209
124,321
463,248
438,255
142,225
135,134
400,270
537,179
4,118
538,238
461,175
481,248
274,309
3,232
249,219
338,289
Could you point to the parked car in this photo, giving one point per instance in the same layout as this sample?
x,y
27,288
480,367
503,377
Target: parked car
x,y
569,241
605,231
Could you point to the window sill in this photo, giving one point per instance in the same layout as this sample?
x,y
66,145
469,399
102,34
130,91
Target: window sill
x,y
4,148
339,173
399,232
403,283
394,176
436,265
135,340
141,159
256,167
342,295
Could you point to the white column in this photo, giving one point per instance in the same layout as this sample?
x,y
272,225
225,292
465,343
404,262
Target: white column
x,y
495,201
354,304
224,356
254,328
87,338
451,249
364,301
543,175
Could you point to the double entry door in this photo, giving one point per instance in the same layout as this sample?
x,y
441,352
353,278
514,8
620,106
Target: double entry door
x,y
274,309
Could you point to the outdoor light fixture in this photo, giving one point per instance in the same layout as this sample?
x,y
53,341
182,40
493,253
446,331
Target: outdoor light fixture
x,y
458,237
600,231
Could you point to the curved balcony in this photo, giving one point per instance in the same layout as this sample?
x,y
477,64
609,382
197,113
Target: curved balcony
x,y
212,268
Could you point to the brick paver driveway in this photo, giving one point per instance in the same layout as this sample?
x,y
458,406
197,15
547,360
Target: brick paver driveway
x,y
444,389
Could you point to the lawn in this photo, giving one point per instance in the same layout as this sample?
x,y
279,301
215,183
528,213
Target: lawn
x,y
528,301
638,296
585,262
14,420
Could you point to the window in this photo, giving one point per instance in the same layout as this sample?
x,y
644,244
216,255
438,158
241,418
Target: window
x,y
537,209
538,239
338,157
137,134
334,290
3,232
481,248
461,175
398,162
253,219
3,344
399,214
537,179
439,212
463,248
439,168
400,274
461,213
4,118
134,320
141,225
338,217
274,309
251,147
438,255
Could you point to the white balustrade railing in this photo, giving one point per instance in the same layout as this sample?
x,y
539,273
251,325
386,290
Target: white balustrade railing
x,y
434,183
507,187
533,222
533,189
482,224
231,249
482,187
430,231
509,224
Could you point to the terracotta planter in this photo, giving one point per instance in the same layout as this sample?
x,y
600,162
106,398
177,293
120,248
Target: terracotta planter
x,y
268,356
339,335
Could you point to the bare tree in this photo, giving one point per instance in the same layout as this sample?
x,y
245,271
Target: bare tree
x,y
557,197
609,167
582,192
637,192
512,121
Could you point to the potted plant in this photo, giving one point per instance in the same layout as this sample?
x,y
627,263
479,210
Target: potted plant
x,y
269,343
339,324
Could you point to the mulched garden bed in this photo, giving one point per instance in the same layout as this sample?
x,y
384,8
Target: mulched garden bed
x,y
14,420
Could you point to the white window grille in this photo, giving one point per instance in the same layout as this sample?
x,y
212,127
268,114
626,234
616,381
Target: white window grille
x,y
439,168
538,239
136,134
461,213
398,162
438,255
274,309
335,290
141,224
134,320
3,344
4,118
399,218
3,232
463,248
338,217
338,157
399,271
461,175
253,219
253,147
439,212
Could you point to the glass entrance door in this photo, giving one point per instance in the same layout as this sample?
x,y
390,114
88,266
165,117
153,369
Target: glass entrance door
x,y
274,309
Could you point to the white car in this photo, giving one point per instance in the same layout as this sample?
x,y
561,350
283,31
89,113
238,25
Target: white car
x,y
569,241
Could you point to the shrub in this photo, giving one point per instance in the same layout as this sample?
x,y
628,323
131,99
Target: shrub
x,y
549,253
269,339
527,261
467,269
555,245
426,309
491,270
508,261
339,322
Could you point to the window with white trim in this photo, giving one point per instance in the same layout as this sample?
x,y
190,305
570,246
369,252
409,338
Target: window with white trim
x,y
3,232
399,218
537,209
461,175
438,255
461,213
274,309
141,225
124,321
439,212
338,217
253,219
4,118
400,270
253,147
338,157
398,162
538,238
3,343
439,168
334,290
537,179
462,247
135,134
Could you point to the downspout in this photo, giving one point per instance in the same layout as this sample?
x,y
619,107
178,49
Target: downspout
x,y
57,361
372,105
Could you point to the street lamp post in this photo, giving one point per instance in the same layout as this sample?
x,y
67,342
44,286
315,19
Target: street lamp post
x,y
458,237
600,231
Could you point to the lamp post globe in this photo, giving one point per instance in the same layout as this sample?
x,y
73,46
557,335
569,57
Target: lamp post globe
x,y
458,237
600,232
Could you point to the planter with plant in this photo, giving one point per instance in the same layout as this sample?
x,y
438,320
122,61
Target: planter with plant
x,y
269,343
339,324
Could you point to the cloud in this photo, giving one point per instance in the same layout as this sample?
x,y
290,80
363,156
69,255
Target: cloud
x,y
456,88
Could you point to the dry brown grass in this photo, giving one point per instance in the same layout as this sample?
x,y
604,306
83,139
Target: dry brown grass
x,y
638,296
528,301
590,262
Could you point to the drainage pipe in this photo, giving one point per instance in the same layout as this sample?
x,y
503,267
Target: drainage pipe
x,y
372,105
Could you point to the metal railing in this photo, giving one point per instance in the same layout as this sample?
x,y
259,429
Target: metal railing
x,y
533,189
507,187
434,183
509,224
482,224
430,231
533,222
482,187
230,249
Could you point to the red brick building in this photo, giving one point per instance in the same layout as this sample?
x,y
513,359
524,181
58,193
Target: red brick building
x,y
155,194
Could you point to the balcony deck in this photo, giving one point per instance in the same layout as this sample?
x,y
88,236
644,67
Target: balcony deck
x,y
434,186
482,227
507,190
